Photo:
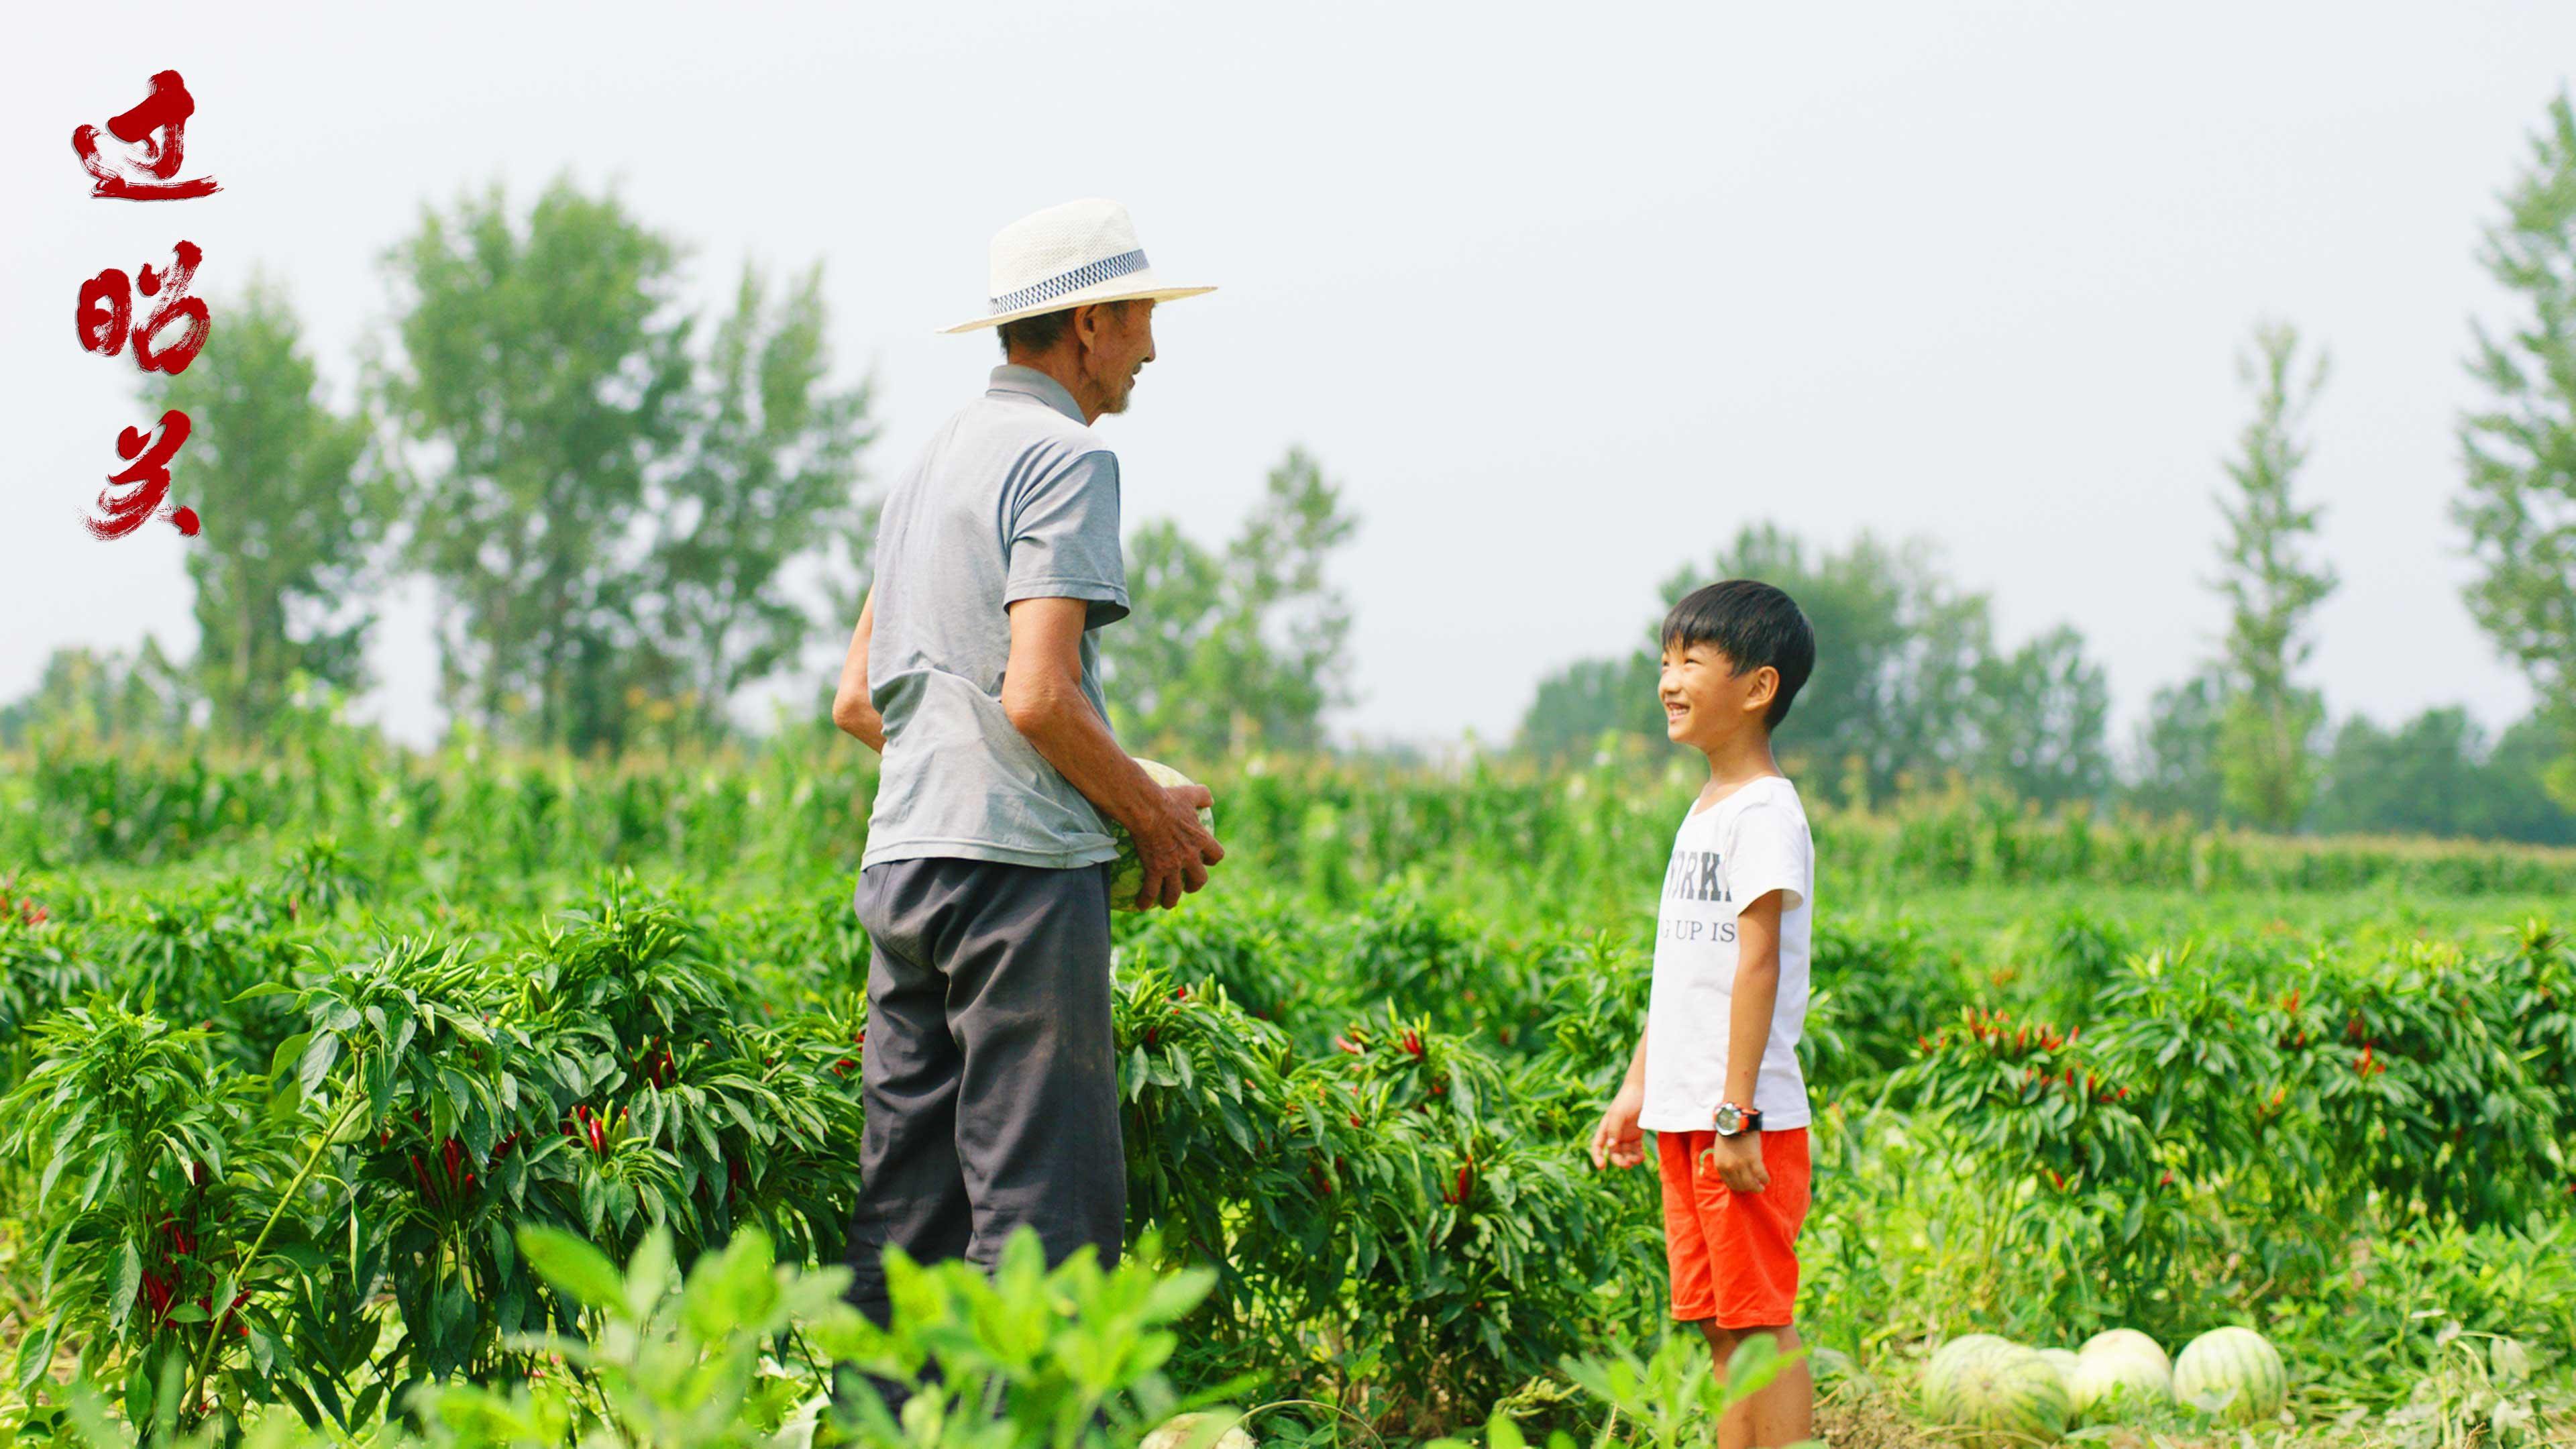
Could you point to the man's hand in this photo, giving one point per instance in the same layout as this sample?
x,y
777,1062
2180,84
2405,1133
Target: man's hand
x,y
1618,1142
1174,848
1737,1161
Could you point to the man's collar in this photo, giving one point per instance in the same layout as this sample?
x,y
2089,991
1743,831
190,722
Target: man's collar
x,y
1012,377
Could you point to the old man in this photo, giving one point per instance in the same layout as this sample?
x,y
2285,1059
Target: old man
x,y
990,1074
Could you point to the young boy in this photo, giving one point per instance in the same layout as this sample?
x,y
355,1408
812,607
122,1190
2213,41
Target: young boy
x,y
1715,1077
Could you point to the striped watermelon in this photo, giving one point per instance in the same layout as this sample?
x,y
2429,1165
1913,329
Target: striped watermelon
x,y
1128,876
2120,1371
1942,1370
2008,1396
2062,1360
2232,1372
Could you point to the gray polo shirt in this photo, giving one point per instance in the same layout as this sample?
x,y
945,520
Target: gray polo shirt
x,y
1013,499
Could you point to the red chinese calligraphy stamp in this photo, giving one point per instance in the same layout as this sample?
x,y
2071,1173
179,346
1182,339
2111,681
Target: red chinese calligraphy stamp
x,y
156,129
105,312
146,481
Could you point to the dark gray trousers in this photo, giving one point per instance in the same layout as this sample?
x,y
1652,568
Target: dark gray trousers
x,y
990,1075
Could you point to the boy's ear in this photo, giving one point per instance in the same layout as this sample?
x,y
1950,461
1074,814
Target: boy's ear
x,y
1759,690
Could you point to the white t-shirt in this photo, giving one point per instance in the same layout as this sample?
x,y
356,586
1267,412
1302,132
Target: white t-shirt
x,y
1743,847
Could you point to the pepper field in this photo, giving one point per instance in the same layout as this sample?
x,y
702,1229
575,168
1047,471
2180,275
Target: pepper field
x,y
297,1048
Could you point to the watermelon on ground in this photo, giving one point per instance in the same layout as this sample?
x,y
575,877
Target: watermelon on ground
x,y
2118,1372
2062,1360
2234,1373
2127,1340
1128,877
2008,1396
1942,1369
1184,1431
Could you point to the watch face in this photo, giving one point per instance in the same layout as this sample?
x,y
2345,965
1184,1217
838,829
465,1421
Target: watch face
x,y
1730,1119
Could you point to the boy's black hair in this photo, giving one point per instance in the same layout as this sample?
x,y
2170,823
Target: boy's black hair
x,y
1753,624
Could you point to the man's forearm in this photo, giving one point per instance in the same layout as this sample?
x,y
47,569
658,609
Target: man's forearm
x,y
1064,729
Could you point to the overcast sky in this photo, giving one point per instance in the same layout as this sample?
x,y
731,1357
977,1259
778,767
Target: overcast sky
x,y
1563,294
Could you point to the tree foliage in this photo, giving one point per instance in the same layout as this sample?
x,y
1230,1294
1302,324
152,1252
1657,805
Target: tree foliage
x,y
2268,723
2519,445
1240,648
549,366
88,696
283,568
769,478
1908,686
613,522
2439,774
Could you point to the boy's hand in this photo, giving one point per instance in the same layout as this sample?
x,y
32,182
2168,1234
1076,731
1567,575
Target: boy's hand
x,y
1737,1161
1617,1142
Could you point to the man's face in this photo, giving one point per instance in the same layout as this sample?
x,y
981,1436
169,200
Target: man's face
x,y
1706,702
1121,343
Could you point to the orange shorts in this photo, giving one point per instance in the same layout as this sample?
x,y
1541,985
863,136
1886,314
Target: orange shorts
x,y
1734,1254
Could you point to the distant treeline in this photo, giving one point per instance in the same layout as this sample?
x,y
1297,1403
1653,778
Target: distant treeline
x,y
632,518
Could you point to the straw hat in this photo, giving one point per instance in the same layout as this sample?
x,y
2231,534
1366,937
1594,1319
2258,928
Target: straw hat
x,y
1068,256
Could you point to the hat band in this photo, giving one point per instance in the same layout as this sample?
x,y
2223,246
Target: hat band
x,y
1073,281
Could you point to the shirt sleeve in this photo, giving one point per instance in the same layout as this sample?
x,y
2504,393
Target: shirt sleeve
x,y
1768,851
1063,540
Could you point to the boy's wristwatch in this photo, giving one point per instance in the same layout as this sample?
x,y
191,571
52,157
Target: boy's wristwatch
x,y
1733,1120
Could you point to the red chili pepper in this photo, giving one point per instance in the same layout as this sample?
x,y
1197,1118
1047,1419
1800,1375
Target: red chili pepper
x,y
1180,993
598,1138
421,1175
842,1067
1152,1035
2053,1177
1412,1042
2167,1180
1345,1044
453,1151
1355,1119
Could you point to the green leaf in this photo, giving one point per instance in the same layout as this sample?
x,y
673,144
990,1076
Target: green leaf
x,y
318,1059
129,1282
287,1051
575,1267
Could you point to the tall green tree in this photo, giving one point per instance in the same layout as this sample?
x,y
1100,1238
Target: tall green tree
x,y
1240,648
547,368
2268,727
283,566
2040,717
2520,444
770,479
2178,746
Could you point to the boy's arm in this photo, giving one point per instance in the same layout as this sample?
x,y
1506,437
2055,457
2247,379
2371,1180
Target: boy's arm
x,y
1748,1034
1618,1141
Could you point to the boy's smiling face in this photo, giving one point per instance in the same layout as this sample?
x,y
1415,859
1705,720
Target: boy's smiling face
x,y
1707,704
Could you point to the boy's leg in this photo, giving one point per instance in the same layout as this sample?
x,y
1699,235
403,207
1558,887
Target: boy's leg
x,y
1782,1411
1752,1244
